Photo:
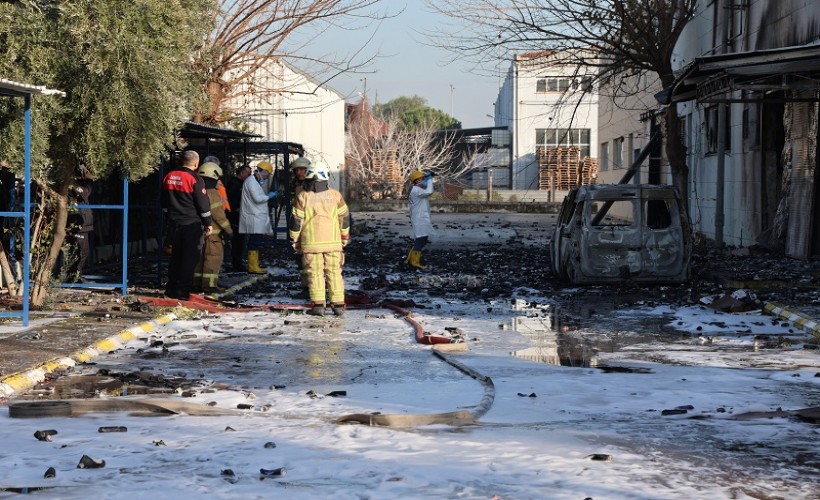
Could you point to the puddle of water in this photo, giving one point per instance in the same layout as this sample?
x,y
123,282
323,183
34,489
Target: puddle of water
x,y
550,347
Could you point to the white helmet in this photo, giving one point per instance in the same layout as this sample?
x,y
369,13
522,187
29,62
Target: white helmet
x,y
318,171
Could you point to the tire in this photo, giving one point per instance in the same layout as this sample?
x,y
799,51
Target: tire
x,y
40,409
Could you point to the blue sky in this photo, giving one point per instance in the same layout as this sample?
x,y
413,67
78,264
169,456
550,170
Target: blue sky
x,y
409,67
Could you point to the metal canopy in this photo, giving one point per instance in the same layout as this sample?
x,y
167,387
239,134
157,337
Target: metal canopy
x,y
193,130
713,78
252,148
17,89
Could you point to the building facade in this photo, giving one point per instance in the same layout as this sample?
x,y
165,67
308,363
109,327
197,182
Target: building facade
x,y
551,111
300,111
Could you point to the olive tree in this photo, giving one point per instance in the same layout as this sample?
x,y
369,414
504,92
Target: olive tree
x,y
128,74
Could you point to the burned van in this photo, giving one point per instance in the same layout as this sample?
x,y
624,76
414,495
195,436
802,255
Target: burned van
x,y
613,233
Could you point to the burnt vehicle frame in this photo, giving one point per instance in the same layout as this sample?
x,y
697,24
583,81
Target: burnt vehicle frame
x,y
616,233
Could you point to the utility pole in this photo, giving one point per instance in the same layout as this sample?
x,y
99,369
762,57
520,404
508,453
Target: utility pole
x,y
451,100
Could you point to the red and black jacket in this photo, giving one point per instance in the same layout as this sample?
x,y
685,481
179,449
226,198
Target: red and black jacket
x,y
184,199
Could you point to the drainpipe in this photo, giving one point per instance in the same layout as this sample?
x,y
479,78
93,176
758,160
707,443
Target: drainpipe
x,y
721,145
720,174
514,124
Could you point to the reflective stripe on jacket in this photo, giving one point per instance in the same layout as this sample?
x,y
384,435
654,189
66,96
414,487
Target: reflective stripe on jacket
x,y
320,221
220,220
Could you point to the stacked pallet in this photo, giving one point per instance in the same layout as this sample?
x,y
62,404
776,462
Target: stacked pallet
x,y
386,172
589,170
561,168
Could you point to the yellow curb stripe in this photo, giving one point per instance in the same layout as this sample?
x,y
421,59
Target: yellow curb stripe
x,y
21,381
799,320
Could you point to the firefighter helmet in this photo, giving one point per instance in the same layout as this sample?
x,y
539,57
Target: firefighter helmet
x,y
210,170
266,166
318,171
300,162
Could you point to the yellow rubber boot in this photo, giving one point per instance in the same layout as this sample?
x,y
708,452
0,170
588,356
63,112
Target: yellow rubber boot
x,y
409,254
415,259
253,263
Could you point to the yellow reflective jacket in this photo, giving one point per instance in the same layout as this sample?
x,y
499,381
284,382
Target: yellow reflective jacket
x,y
319,221
219,220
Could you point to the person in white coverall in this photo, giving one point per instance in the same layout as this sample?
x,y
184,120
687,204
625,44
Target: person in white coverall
x,y
254,216
420,215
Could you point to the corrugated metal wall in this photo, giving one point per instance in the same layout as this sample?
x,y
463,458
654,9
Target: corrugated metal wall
x,y
800,175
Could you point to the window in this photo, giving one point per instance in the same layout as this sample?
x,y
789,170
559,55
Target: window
x,y
604,156
712,129
625,210
552,84
751,129
563,137
618,153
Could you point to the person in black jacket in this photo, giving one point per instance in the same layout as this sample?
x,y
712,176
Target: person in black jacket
x,y
234,189
81,221
188,210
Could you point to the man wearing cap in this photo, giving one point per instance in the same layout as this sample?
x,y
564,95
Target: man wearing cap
x,y
187,208
254,217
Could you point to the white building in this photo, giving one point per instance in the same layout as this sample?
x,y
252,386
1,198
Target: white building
x,y
543,103
300,111
625,113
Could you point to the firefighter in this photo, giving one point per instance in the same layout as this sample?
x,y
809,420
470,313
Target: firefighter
x,y
420,191
220,187
299,169
319,230
206,273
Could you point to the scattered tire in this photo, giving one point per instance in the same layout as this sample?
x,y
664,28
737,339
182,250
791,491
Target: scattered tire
x,y
39,409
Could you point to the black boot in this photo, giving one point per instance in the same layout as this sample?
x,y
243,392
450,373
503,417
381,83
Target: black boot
x,y
316,311
338,310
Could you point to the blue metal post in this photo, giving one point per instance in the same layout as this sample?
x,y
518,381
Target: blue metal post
x,y
27,209
125,237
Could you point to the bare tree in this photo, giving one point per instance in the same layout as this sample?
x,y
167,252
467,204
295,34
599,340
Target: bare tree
x,y
628,36
382,153
248,34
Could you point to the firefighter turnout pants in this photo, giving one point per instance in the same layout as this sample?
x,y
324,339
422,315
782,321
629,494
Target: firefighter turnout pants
x,y
325,265
206,272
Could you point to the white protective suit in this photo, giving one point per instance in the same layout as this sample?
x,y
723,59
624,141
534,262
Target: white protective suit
x,y
254,217
420,210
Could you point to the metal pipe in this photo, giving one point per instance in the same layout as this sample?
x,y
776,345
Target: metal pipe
x,y
720,175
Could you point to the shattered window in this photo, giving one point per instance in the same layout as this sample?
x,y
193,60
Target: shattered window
x,y
619,213
657,214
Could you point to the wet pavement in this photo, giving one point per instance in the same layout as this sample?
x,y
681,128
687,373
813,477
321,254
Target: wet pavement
x,y
475,258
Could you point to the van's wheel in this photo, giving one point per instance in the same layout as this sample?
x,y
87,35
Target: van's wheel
x,y
39,409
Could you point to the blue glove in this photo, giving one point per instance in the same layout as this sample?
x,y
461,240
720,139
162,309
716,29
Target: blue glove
x,y
272,195
428,175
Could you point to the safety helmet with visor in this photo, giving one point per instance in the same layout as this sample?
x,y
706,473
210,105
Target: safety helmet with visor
x,y
318,171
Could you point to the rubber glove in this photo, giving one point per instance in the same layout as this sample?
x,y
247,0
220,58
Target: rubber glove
x,y
272,195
